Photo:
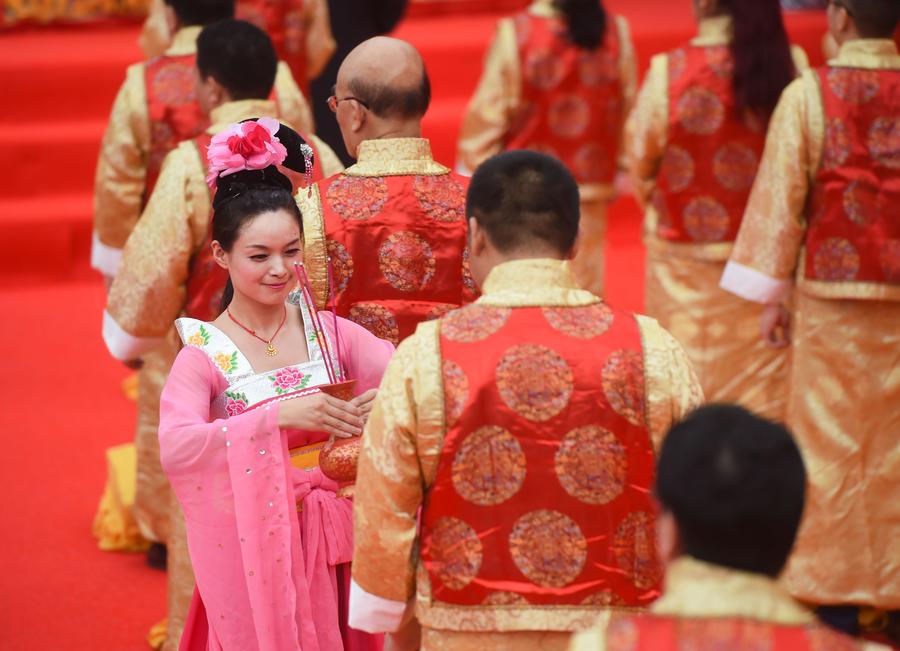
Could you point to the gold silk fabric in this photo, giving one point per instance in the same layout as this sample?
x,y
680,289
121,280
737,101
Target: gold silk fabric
x,y
404,438
719,332
845,411
120,179
844,405
716,601
155,36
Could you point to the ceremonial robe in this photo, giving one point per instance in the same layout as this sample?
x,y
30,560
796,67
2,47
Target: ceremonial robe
x,y
539,91
393,229
823,221
525,426
693,158
710,606
149,293
300,31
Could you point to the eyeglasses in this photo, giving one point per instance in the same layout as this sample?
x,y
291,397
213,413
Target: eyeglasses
x,y
333,100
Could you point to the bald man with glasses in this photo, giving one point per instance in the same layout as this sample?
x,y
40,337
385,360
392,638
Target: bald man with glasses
x,y
385,240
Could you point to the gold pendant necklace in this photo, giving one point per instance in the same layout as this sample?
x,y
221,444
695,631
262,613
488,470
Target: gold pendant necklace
x,y
271,351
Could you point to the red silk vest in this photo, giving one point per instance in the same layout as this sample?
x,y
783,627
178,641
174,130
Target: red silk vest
x,y
282,20
713,152
206,279
542,491
397,246
660,633
572,104
854,212
172,108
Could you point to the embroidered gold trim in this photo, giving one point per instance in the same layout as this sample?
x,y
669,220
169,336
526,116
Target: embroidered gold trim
x,y
315,254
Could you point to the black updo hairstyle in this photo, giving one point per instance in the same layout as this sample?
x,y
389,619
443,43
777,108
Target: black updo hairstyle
x,y
242,196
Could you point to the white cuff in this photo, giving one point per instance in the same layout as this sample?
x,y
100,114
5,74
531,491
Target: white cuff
x,y
373,614
104,258
123,345
752,285
462,169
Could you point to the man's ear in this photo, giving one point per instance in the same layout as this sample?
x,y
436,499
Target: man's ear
x,y
220,255
573,251
358,117
477,237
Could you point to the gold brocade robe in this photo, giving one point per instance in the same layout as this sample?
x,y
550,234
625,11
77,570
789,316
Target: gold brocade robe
x,y
120,180
719,332
697,590
147,296
844,402
402,445
155,36
494,109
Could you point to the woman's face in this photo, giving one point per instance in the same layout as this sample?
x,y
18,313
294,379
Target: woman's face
x,y
261,262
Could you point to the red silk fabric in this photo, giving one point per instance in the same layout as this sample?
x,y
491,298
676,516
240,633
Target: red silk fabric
x,y
712,153
542,493
649,632
170,83
397,246
854,219
572,103
206,279
283,21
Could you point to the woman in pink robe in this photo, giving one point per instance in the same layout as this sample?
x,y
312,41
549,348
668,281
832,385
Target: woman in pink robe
x,y
241,421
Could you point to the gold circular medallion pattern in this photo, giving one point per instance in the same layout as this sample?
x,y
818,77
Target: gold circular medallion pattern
x,y
854,85
677,168
456,552
700,111
341,264
592,465
884,141
623,384
357,197
407,262
456,391
473,322
377,319
836,148
489,466
836,259
734,166
548,547
534,381
634,548
706,220
580,322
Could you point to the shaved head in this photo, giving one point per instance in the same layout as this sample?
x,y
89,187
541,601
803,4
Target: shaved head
x,y
388,76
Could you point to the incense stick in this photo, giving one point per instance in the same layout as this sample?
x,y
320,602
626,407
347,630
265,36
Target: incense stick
x,y
332,300
321,338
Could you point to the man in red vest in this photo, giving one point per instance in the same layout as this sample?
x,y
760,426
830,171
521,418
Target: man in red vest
x,y
390,231
530,419
155,109
822,224
164,257
732,488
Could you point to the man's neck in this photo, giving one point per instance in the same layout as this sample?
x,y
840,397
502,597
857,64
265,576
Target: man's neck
x,y
397,130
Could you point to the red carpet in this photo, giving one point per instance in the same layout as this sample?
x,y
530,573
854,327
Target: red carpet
x,y
60,390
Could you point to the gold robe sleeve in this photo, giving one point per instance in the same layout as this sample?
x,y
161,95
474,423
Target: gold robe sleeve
x,y
315,253
592,639
148,293
320,43
293,107
121,167
155,36
671,386
801,61
330,162
398,462
646,130
494,105
774,224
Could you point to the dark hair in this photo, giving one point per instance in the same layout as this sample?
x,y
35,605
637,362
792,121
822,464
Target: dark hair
x,y
244,195
763,65
201,12
393,102
522,197
238,55
735,483
586,21
873,18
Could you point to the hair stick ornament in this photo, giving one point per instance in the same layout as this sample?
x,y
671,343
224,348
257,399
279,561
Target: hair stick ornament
x,y
321,339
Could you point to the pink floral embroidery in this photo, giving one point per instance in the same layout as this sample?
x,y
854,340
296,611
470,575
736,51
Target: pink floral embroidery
x,y
235,403
288,379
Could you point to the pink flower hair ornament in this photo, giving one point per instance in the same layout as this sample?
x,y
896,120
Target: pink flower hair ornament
x,y
250,145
